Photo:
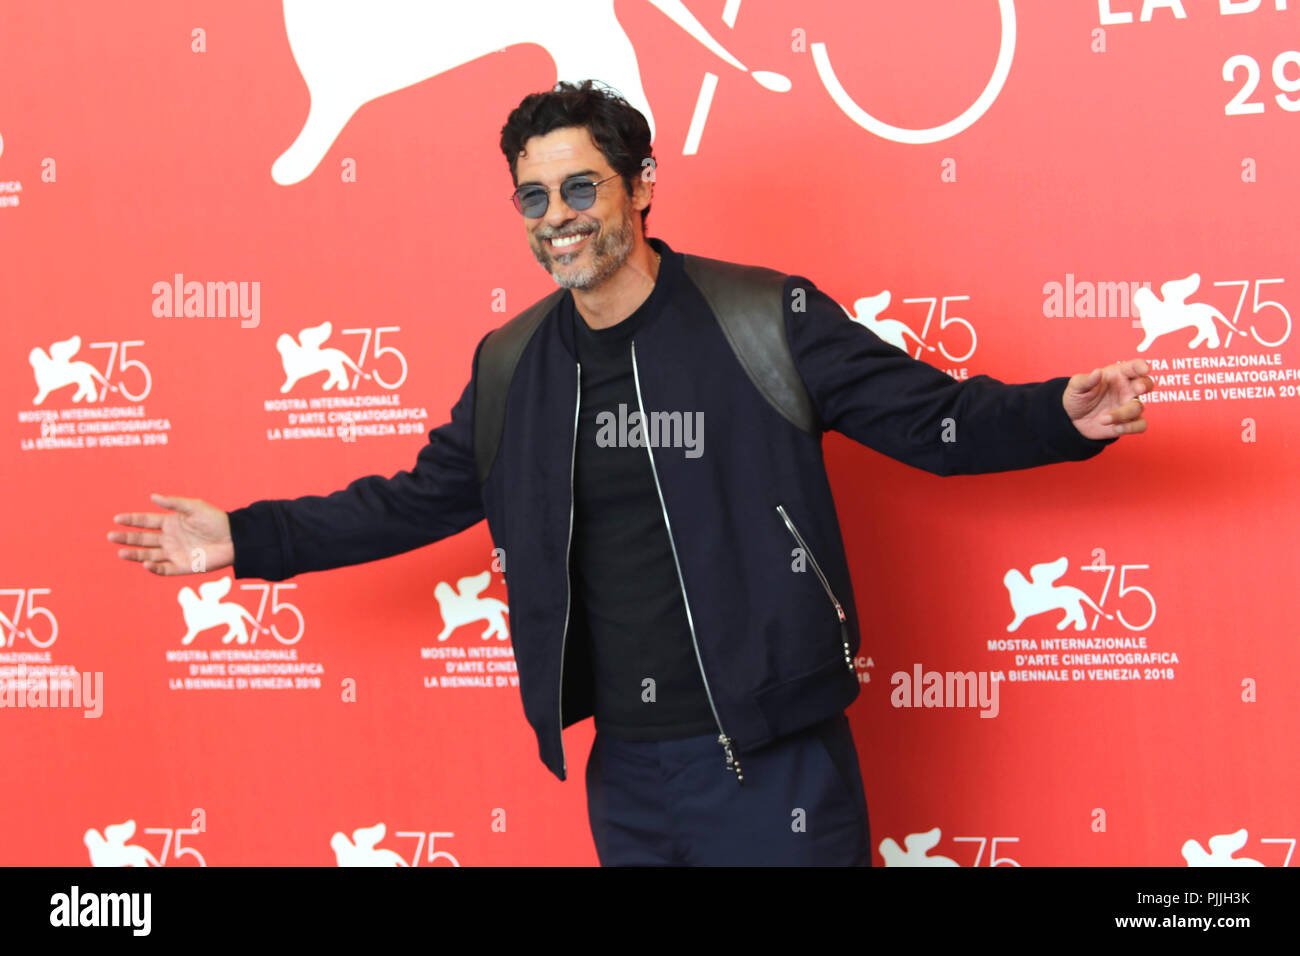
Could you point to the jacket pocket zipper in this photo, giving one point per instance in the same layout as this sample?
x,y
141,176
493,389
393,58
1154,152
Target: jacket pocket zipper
x,y
839,608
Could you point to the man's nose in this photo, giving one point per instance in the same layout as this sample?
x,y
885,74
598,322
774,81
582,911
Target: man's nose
x,y
558,211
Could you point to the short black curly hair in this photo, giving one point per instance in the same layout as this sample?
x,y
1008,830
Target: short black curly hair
x,y
618,129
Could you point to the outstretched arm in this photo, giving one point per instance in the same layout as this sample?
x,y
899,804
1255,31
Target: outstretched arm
x,y
373,517
883,398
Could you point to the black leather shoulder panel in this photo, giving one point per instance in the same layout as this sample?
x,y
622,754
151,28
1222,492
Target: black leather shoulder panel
x,y
747,301
496,367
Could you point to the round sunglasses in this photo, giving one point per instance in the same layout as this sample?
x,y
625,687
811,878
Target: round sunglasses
x,y
578,193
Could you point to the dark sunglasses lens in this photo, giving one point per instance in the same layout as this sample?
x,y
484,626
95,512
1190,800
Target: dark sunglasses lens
x,y
579,193
531,202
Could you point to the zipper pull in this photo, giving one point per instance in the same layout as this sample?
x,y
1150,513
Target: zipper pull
x,y
844,633
733,762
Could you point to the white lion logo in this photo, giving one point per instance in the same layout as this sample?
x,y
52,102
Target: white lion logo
x,y
894,332
206,609
464,606
363,851
308,358
55,371
918,847
1037,596
111,849
1175,312
350,53
1222,846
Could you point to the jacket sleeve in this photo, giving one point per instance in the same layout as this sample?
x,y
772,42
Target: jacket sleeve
x,y
909,410
373,517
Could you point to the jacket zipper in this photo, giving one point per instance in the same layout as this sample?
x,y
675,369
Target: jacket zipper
x,y
568,584
839,608
728,745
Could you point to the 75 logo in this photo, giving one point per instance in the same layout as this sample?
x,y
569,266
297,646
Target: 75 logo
x,y
205,609
112,849
11,627
1040,594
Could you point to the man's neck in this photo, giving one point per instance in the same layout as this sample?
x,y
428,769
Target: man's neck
x,y
622,293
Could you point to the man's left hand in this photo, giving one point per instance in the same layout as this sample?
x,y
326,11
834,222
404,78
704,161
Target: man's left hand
x,y
1104,403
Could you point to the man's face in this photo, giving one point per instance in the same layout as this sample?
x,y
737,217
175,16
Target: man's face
x,y
608,229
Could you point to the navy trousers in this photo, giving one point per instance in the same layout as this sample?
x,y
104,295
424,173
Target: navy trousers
x,y
674,803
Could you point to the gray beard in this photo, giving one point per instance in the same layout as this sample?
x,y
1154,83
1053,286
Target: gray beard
x,y
609,250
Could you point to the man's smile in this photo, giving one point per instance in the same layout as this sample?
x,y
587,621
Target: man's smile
x,y
569,242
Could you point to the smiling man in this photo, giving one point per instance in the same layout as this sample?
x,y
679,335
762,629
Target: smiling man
x,y
698,606
601,252
559,248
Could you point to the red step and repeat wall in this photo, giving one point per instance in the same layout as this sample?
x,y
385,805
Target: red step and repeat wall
x,y
248,250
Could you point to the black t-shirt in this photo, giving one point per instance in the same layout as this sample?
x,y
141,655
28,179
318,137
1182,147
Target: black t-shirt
x,y
626,598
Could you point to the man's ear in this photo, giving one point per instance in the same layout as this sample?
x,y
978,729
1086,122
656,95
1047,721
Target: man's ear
x,y
643,191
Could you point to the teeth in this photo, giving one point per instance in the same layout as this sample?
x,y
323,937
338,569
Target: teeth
x,y
568,240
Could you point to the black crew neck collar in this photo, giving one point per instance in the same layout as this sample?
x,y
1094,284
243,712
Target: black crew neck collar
x,y
669,265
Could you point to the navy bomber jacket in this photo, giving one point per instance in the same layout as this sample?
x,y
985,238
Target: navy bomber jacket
x,y
775,648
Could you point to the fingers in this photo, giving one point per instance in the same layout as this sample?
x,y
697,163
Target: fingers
x,y
142,554
139,519
1132,367
147,539
184,505
1087,380
1130,410
1126,418
161,566
1131,428
149,519
1136,371
1133,371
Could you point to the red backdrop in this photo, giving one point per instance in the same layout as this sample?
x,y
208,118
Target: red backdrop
x,y
1117,145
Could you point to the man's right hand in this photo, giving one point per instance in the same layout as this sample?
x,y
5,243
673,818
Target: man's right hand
x,y
193,538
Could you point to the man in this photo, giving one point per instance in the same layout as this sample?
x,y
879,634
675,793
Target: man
x,y
664,589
